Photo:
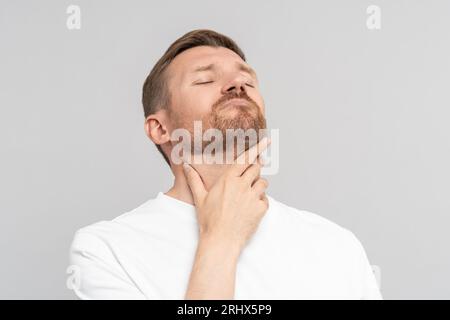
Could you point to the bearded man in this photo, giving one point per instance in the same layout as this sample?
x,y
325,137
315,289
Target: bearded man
x,y
215,234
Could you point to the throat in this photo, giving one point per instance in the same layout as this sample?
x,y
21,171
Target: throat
x,y
209,173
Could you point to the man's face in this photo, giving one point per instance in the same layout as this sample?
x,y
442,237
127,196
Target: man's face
x,y
215,86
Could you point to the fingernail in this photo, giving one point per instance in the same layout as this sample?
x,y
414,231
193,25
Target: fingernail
x,y
186,166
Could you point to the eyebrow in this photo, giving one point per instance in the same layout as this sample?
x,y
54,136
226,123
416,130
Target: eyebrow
x,y
246,68
212,66
204,68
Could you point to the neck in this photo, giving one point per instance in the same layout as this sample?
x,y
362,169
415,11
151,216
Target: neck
x,y
209,173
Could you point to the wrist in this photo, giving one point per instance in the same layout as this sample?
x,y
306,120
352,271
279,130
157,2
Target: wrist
x,y
220,244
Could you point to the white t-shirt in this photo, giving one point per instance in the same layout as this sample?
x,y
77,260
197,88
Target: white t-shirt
x,y
148,253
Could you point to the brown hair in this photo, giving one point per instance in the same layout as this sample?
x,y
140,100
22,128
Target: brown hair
x,y
155,93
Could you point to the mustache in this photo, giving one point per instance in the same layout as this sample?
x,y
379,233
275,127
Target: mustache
x,y
233,95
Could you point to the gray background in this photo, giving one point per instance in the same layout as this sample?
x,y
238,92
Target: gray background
x,y
363,118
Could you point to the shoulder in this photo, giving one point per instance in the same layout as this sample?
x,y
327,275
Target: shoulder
x,y
99,235
92,241
126,220
317,227
306,217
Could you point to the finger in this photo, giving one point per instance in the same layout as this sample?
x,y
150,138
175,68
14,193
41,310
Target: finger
x,y
195,183
252,173
248,157
260,186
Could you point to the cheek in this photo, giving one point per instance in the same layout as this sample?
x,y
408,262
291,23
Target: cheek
x,y
195,104
260,101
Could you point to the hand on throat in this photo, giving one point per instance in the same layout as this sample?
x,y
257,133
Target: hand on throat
x,y
208,172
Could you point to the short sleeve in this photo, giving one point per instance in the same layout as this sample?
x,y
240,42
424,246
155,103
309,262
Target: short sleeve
x,y
366,277
100,275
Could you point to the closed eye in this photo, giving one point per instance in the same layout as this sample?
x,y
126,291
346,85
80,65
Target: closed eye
x,y
250,85
204,82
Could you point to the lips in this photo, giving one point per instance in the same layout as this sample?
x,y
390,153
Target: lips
x,y
236,102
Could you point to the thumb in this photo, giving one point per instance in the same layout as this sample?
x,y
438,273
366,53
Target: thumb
x,y
195,183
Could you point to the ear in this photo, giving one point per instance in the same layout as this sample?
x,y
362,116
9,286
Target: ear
x,y
156,127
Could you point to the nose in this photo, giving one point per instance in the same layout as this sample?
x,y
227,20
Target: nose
x,y
237,85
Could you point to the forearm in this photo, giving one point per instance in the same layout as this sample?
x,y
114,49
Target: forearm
x,y
214,270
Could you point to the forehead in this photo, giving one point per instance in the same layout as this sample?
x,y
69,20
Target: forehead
x,y
187,61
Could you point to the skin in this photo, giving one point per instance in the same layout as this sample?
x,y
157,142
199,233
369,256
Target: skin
x,y
230,199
